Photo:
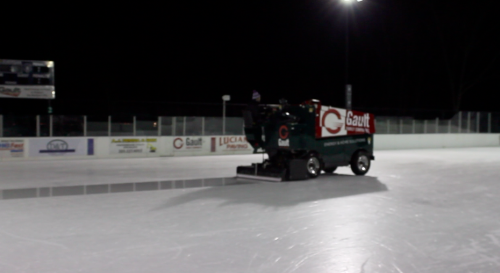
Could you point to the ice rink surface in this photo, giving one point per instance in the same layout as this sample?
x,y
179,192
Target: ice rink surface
x,y
415,211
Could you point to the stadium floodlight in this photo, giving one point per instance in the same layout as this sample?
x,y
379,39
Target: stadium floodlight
x,y
348,87
224,99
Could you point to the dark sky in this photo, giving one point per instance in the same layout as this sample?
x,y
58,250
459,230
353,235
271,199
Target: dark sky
x,y
402,54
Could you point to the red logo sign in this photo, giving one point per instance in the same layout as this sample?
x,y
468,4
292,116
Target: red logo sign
x,y
359,123
233,143
212,144
283,132
338,125
178,143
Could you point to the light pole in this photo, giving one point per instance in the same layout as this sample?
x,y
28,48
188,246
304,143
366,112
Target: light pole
x,y
348,87
224,99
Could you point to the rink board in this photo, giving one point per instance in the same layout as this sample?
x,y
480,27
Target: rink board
x,y
46,148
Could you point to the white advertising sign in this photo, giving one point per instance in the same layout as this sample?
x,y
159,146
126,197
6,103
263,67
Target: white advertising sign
x,y
133,145
332,121
50,147
27,91
230,144
11,148
341,122
188,144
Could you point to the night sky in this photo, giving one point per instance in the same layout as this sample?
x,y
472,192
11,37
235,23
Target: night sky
x,y
140,58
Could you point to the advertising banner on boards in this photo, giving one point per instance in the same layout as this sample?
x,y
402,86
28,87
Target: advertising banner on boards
x,y
54,147
230,144
188,143
133,145
11,148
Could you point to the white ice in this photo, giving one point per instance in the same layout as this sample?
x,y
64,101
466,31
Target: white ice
x,y
415,211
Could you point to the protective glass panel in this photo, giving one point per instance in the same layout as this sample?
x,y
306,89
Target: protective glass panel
x,y
394,125
381,125
234,126
146,126
419,126
407,125
97,125
19,126
122,126
194,126
179,126
213,126
444,126
44,125
483,122
455,128
495,122
475,122
166,126
67,126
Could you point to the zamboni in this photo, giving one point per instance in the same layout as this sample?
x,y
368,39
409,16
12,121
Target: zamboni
x,y
302,140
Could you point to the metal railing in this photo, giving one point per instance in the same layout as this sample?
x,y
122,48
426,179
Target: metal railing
x,y
463,122
67,126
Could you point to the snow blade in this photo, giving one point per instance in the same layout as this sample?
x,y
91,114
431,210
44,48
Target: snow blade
x,y
257,171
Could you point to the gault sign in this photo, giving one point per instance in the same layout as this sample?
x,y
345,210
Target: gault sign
x,y
188,143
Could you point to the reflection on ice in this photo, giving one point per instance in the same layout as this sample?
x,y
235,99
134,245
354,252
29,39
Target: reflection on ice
x,y
285,193
115,188
343,185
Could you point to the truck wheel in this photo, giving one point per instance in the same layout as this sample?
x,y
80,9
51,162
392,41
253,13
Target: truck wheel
x,y
313,166
330,170
360,163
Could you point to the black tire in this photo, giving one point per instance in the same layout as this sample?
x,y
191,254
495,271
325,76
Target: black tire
x,y
360,163
313,166
330,170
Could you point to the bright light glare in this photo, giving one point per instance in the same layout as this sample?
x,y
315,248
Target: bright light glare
x,y
350,1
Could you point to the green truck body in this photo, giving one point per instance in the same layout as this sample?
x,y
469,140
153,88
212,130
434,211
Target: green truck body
x,y
302,140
